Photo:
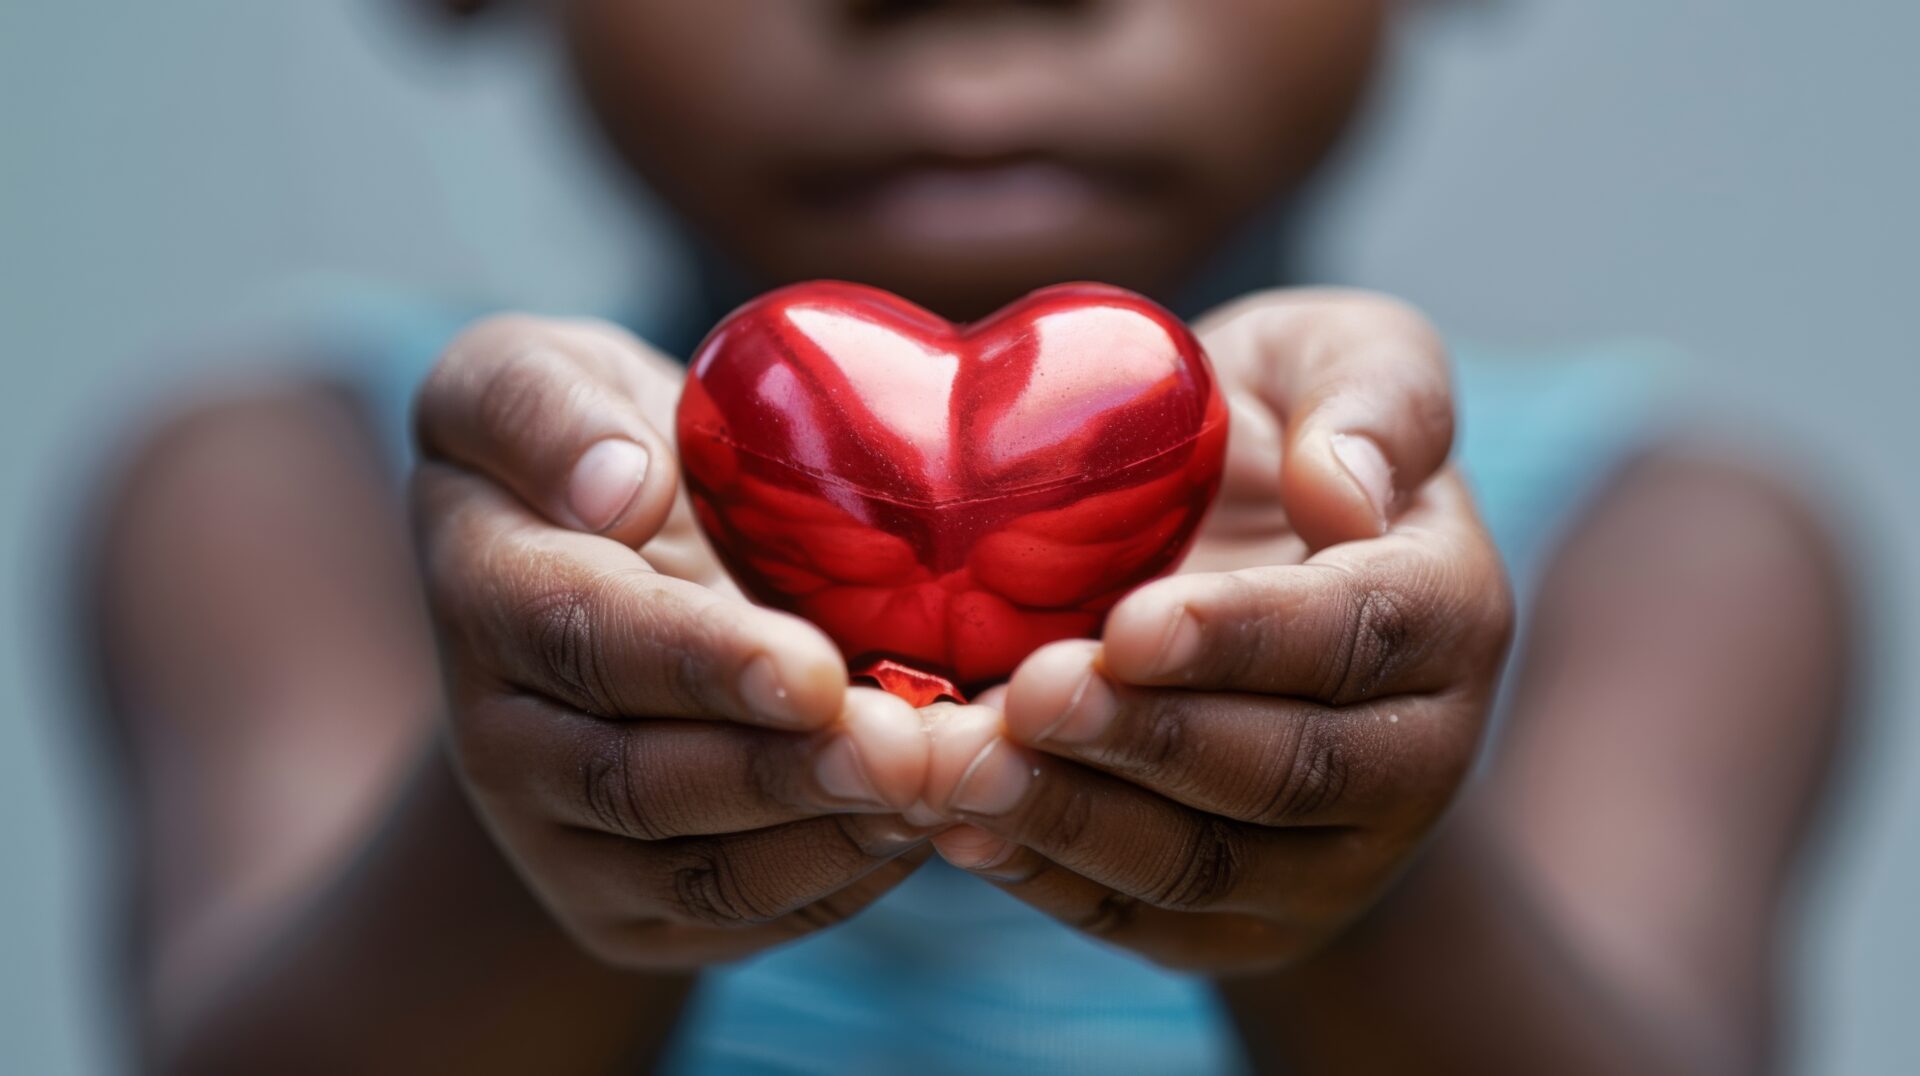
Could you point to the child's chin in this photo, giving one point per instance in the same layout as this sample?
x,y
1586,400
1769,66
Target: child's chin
x,y
968,283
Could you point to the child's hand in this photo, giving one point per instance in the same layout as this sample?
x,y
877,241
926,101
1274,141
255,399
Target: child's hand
x,y
1255,748
680,776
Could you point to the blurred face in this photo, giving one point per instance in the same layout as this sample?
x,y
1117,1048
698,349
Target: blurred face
x,y
962,152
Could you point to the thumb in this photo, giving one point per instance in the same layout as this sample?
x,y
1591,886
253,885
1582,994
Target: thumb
x,y
564,414
1360,385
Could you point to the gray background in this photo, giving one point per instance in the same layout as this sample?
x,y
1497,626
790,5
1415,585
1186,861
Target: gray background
x,y
1738,177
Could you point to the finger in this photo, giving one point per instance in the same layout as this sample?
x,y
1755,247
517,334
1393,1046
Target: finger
x,y
1412,611
1361,386
654,780
581,621
993,698
1214,943
733,881
1264,760
652,944
1123,836
558,413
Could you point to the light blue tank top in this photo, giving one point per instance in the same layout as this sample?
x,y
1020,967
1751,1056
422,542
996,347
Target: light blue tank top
x,y
946,974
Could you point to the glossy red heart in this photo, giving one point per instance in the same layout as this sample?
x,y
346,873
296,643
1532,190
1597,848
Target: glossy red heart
x,y
944,497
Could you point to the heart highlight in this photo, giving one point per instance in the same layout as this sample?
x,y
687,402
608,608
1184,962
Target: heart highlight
x,y
942,500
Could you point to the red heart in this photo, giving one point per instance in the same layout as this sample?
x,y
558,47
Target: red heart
x,y
944,497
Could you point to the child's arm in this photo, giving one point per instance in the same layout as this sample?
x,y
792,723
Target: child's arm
x,y
1611,898
312,889
269,643
1231,779
271,671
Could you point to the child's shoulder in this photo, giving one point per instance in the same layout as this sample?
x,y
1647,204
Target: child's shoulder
x,y
284,422
1576,445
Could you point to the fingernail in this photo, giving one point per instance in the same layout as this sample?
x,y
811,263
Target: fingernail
x,y
885,838
920,814
972,848
765,695
605,481
1180,646
840,772
994,782
1090,711
1369,469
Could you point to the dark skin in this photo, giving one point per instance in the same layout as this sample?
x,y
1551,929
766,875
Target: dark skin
x,y
451,895
825,138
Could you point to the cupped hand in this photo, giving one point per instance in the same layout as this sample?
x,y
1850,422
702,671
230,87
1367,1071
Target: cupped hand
x,y
680,776
1255,747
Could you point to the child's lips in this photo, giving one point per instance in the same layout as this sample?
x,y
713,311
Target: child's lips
x,y
957,202
992,204
962,200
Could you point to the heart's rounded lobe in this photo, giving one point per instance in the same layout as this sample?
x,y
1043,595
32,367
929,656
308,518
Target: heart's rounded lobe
x,y
950,497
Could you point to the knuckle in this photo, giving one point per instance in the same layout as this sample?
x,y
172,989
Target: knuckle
x,y
771,777
707,889
558,634
1246,639
1315,775
1382,625
1067,816
685,679
1160,745
612,790
1202,870
684,639
519,392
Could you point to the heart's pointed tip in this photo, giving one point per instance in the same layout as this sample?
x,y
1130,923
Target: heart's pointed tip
x,y
917,688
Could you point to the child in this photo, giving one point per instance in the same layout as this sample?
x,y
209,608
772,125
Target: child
x,y
1216,835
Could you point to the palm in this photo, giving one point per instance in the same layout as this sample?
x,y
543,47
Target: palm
x,y
678,549
1247,526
